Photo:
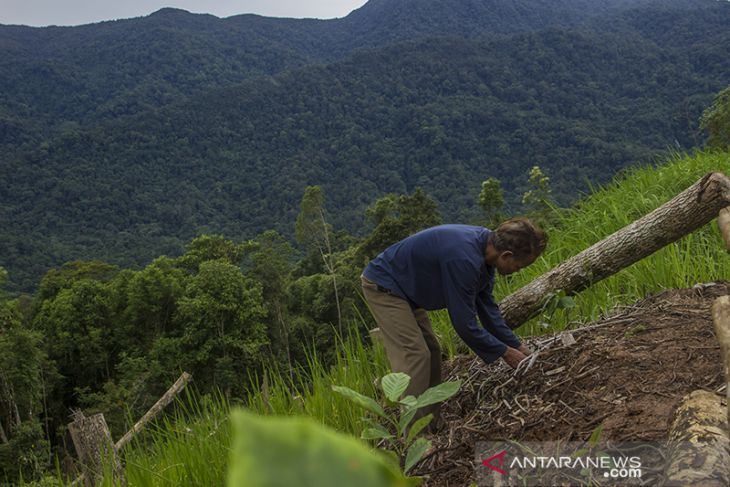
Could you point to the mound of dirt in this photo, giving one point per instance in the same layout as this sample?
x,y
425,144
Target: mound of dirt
x,y
626,372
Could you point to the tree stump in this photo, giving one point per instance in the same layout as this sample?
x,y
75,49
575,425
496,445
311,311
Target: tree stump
x,y
95,448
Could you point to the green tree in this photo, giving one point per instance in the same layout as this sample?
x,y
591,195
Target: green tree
x,y
151,303
491,199
211,247
224,326
71,272
716,120
271,264
538,197
3,280
77,330
397,217
313,231
24,450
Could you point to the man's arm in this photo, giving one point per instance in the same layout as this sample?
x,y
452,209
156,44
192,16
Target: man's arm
x,y
460,296
492,320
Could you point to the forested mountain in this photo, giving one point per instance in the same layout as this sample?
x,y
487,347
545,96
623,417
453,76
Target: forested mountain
x,y
111,69
123,140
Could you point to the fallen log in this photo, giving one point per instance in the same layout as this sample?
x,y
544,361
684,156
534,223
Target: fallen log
x,y
699,447
693,208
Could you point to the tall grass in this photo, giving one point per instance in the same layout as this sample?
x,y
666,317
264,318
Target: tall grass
x,y
188,448
191,448
699,257
358,365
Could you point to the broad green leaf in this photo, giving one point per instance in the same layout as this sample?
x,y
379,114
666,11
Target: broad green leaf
x,y
409,401
281,451
406,416
370,422
360,400
438,393
395,384
418,426
376,434
416,452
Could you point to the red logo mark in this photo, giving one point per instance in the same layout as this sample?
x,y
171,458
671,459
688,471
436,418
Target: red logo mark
x,y
500,456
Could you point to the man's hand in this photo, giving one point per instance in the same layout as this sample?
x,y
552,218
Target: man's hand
x,y
513,356
523,348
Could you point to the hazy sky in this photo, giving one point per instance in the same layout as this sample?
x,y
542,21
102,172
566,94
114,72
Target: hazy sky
x,y
75,12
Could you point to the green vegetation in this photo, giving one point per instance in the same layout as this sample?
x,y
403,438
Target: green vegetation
x,y
716,120
142,176
396,429
285,451
76,306
196,146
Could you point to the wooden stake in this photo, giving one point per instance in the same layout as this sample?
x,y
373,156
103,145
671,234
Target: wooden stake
x,y
161,404
688,211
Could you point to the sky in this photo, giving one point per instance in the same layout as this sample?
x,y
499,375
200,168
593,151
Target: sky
x,y
76,12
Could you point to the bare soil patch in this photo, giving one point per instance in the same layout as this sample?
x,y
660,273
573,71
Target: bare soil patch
x,y
627,372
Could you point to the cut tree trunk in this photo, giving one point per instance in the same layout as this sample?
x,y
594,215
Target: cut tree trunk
x,y
699,447
95,448
94,443
688,211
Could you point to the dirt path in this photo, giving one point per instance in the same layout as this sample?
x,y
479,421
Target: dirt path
x,y
626,372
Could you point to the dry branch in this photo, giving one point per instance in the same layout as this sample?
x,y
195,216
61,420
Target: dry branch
x,y
161,404
688,211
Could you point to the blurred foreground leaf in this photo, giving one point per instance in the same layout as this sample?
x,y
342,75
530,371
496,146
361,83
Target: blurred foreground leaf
x,y
270,451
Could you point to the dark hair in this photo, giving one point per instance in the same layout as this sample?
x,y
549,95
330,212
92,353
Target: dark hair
x,y
521,237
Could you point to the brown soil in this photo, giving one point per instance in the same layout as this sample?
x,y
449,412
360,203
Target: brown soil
x,y
626,372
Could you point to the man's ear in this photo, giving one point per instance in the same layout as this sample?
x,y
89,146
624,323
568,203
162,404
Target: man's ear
x,y
506,254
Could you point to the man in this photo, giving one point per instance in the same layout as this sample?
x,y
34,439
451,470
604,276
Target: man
x,y
453,267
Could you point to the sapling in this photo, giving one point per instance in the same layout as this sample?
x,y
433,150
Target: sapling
x,y
396,429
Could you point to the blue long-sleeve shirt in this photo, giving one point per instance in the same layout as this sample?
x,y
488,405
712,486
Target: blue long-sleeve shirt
x,y
444,267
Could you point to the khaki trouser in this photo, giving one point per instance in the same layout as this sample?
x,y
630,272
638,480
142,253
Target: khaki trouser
x,y
409,340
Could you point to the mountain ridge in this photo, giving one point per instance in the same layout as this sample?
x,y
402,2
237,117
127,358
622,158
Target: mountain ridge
x,y
201,148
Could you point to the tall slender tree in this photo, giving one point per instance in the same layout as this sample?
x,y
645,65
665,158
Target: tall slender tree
x,y
313,231
491,199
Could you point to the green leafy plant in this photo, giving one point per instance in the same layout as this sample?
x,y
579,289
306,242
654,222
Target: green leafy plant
x,y
552,303
396,429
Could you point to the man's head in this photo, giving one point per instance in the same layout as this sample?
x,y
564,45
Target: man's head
x,y
515,244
